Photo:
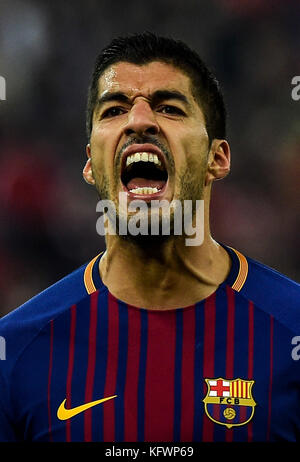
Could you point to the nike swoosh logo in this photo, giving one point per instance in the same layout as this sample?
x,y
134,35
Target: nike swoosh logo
x,y
64,414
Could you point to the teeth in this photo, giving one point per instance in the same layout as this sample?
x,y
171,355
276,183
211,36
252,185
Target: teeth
x,y
144,157
144,190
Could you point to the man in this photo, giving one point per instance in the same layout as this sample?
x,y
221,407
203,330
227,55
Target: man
x,y
156,339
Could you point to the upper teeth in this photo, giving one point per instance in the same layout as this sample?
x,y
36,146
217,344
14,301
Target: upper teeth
x,y
144,157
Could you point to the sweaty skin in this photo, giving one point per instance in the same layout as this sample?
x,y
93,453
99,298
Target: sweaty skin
x,y
157,273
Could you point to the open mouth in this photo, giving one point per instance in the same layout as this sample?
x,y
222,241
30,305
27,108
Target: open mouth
x,y
144,173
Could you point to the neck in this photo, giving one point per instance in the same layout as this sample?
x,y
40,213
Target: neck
x,y
163,274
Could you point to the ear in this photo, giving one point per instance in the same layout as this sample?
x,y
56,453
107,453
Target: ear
x,y
218,161
87,171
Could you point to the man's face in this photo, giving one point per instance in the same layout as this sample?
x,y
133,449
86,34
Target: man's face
x,y
149,137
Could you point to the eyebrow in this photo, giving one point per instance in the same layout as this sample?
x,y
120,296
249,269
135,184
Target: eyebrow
x,y
156,97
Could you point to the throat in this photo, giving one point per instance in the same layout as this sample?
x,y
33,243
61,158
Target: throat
x,y
162,286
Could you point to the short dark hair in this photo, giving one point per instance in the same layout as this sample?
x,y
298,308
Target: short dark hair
x,y
146,47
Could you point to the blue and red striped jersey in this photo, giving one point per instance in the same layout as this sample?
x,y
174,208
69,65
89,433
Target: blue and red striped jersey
x,y
82,365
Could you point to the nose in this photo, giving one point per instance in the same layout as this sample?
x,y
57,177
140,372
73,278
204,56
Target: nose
x,y
141,120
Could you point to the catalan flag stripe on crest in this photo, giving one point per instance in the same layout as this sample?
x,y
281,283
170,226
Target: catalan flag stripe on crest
x,y
239,389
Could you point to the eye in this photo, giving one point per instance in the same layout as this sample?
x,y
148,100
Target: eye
x,y
113,112
171,110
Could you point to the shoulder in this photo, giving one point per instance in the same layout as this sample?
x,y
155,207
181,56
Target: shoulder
x,y
265,281
21,325
273,292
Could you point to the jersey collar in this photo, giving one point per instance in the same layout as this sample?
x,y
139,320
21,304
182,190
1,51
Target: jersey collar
x,y
239,269
235,279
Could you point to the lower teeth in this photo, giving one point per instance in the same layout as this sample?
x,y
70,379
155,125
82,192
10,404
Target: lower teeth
x,y
144,190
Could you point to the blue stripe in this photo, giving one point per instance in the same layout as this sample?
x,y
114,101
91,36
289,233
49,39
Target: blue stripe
x,y
142,375
241,338
80,363
261,368
101,363
121,374
59,370
220,350
198,379
178,371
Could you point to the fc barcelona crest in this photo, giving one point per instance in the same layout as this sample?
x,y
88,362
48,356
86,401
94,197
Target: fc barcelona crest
x,y
229,402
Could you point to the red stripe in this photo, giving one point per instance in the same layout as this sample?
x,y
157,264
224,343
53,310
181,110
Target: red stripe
x,y
89,384
111,369
187,374
70,368
159,387
217,412
49,380
271,376
243,413
250,357
209,359
230,345
132,374
230,333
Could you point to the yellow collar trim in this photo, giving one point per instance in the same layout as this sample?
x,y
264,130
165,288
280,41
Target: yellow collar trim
x,y
88,278
243,271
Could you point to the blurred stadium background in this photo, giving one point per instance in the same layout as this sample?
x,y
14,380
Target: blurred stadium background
x,y
47,51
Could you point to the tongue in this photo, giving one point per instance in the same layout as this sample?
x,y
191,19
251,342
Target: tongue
x,y
144,183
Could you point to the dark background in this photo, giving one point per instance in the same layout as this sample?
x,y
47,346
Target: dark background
x,y
47,51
